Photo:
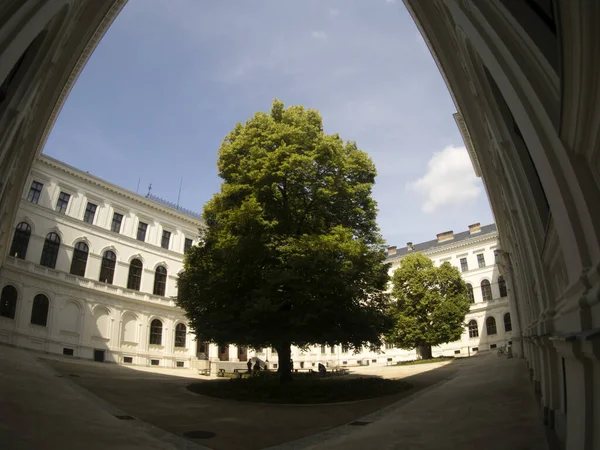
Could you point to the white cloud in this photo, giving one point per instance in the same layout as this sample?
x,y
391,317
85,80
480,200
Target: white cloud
x,y
449,180
319,34
334,12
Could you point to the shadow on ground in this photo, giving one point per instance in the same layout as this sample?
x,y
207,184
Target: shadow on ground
x,y
164,401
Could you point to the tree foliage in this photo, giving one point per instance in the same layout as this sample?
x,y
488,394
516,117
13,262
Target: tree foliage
x,y
430,304
291,253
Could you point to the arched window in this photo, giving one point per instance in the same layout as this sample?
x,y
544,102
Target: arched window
x,y
470,293
486,290
473,330
20,242
107,269
490,324
80,256
156,332
39,310
180,335
50,251
135,275
502,286
160,281
8,302
507,322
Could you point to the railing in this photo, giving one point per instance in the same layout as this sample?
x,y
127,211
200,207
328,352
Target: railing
x,y
175,206
87,283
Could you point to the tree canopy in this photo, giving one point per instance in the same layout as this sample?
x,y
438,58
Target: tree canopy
x,y
291,253
430,304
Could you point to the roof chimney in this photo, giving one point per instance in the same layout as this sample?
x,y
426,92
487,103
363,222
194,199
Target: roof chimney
x,y
409,246
391,250
445,236
474,228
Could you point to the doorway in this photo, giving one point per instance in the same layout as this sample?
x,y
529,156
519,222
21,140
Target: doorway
x,y
223,352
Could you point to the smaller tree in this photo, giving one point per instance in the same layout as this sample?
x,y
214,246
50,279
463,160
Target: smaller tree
x,y
430,304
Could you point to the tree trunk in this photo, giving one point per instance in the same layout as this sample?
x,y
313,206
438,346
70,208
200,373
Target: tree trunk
x,y
424,351
284,353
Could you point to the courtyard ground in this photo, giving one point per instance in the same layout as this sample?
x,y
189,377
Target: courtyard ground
x,y
50,402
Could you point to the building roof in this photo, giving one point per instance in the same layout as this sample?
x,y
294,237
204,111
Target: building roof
x,y
434,244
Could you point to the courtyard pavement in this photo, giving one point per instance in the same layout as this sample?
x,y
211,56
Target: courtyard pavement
x,y
51,402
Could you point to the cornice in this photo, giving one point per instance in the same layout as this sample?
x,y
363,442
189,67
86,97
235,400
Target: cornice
x,y
122,192
460,244
464,131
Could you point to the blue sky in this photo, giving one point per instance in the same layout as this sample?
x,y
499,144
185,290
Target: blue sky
x,y
171,78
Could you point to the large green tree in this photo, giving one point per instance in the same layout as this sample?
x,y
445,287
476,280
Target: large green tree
x,y
291,253
429,306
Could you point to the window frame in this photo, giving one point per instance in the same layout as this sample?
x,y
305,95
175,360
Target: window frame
x,y
481,260
464,264
20,241
39,310
181,336
134,280
34,194
8,302
62,203
112,223
490,324
155,332
486,290
160,285
473,328
167,237
187,245
470,293
105,269
502,287
507,322
145,230
50,251
86,214
78,261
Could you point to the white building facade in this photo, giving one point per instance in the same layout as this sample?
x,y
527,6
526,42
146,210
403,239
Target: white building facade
x,y
92,269
488,325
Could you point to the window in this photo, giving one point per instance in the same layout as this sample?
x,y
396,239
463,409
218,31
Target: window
x,y
180,364
141,234
470,294
457,352
160,281
135,275
486,290
116,222
322,349
388,346
490,325
473,330
507,322
156,332
39,310
187,245
463,264
67,351
502,286
90,213
8,302
107,267
127,359
475,349
481,260
155,362
50,251
34,192
493,346
80,256
166,238
496,257
62,203
180,335
20,242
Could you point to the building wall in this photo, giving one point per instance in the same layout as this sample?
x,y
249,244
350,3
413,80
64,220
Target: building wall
x,y
86,314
